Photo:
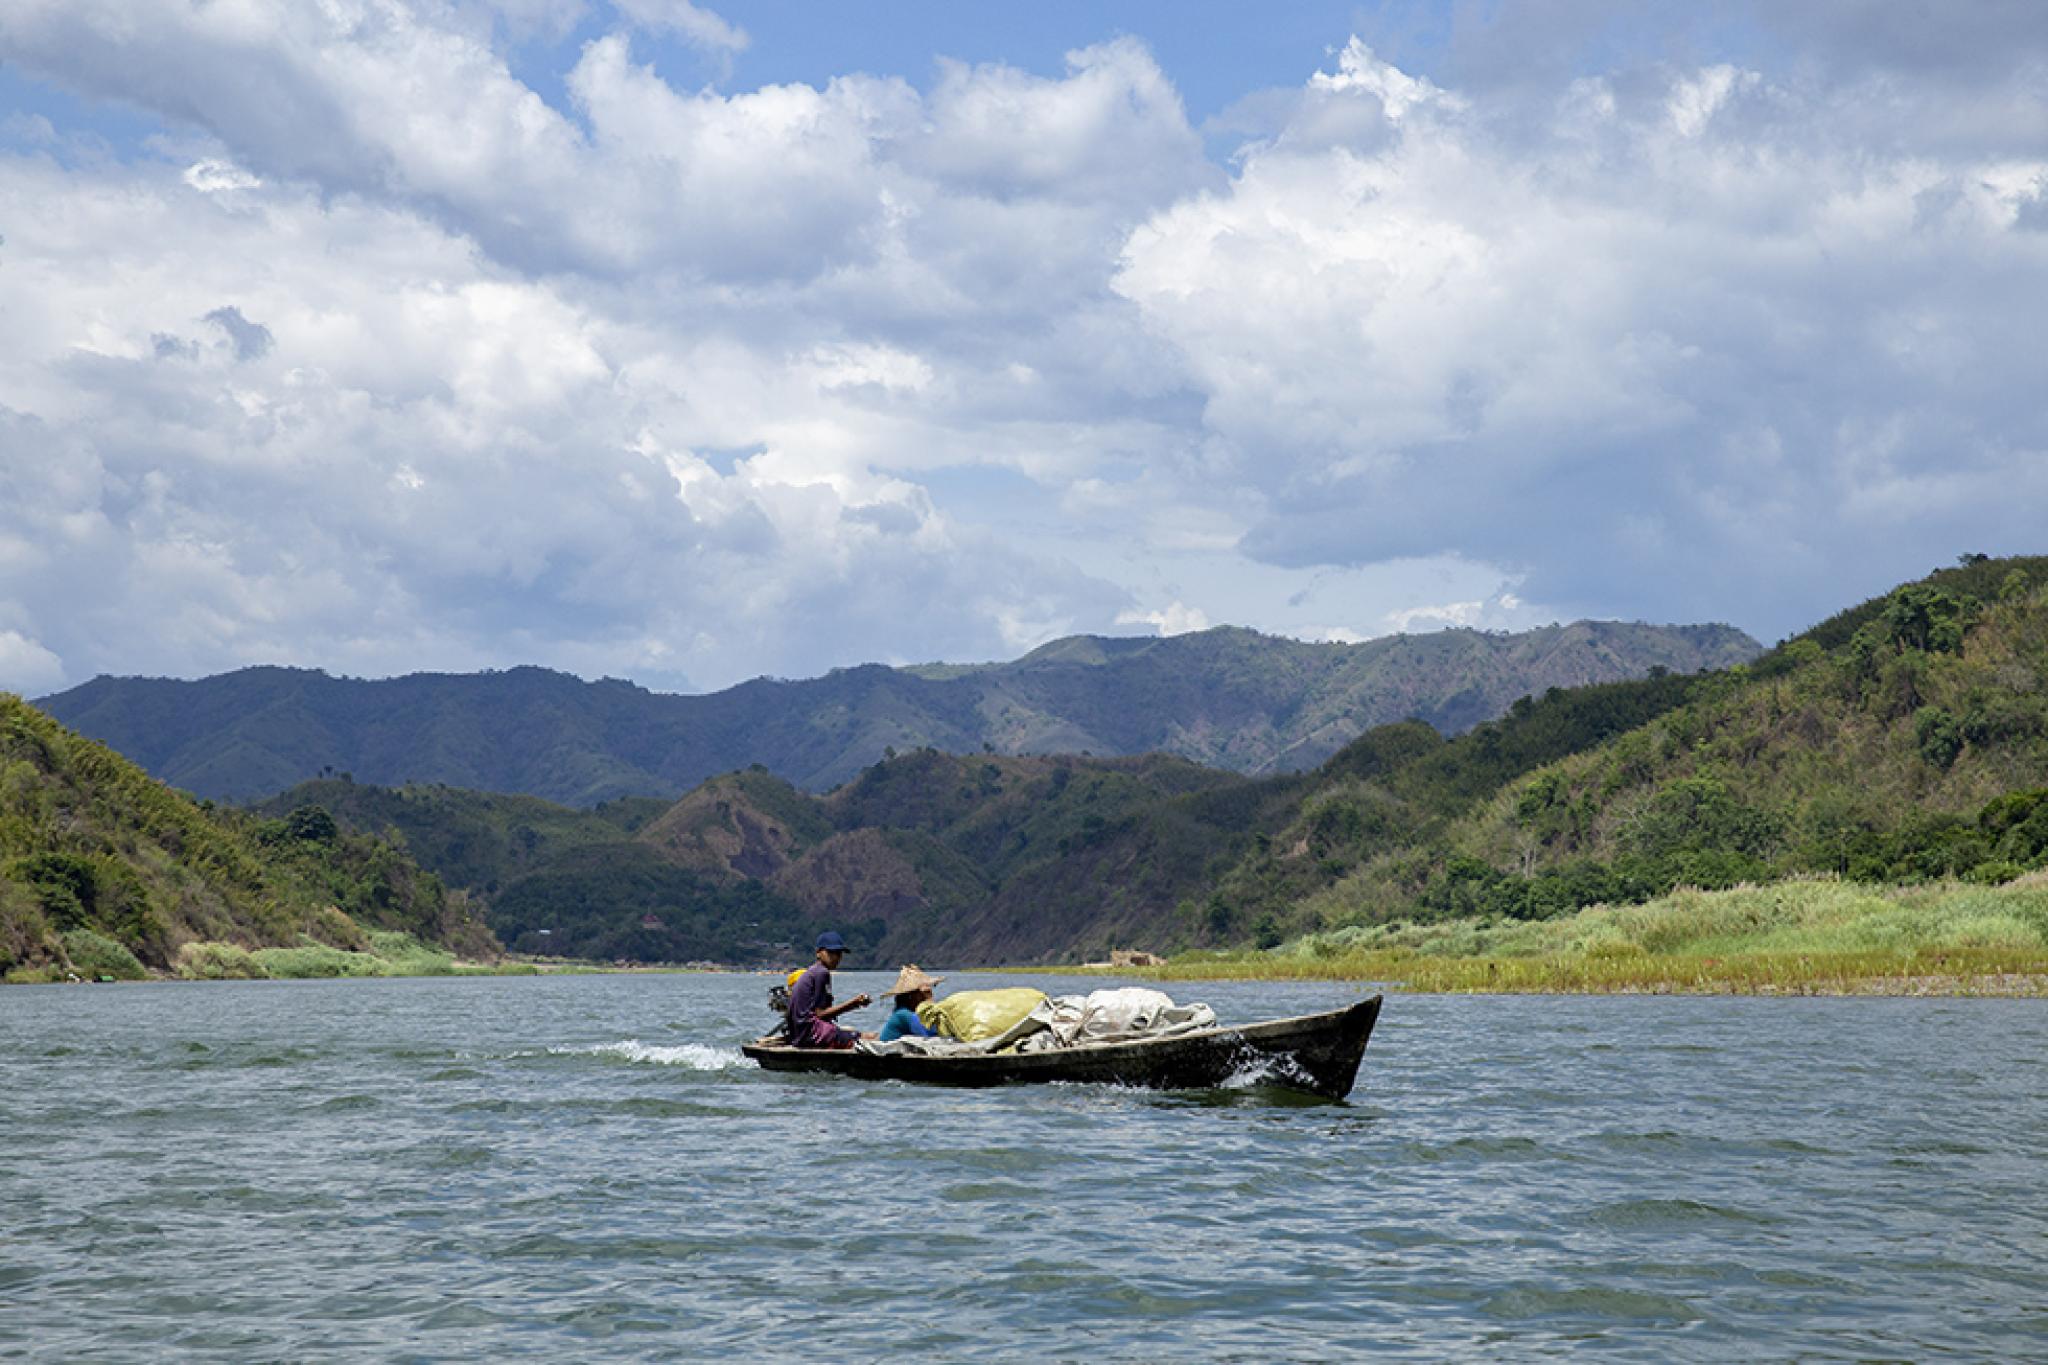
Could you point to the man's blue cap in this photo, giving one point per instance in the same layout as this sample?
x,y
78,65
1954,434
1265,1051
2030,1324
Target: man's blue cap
x,y
831,943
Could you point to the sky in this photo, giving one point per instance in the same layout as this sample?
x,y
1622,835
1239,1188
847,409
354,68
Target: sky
x,y
688,343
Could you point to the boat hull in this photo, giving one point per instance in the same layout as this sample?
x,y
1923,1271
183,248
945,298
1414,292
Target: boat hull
x,y
1318,1053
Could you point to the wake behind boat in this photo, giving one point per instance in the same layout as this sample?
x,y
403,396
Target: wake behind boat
x,y
1317,1053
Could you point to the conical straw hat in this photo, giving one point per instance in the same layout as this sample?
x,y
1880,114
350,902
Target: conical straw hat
x,y
913,978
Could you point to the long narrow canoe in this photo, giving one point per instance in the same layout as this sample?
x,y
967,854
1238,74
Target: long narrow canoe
x,y
1318,1053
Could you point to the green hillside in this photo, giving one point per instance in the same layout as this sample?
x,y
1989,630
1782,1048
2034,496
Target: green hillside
x,y
1904,741
105,871
473,840
1227,698
922,850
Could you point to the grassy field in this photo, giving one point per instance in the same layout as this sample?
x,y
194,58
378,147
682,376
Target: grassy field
x,y
1819,937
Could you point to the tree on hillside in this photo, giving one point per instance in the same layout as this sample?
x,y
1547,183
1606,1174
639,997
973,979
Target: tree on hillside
x,y
1925,618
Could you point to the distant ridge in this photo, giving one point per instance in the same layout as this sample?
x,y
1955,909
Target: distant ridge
x,y
1228,697
1902,740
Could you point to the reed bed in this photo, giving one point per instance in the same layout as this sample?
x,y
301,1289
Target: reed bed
x,y
389,954
1819,937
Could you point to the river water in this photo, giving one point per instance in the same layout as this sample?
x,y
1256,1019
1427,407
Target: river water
x,y
585,1167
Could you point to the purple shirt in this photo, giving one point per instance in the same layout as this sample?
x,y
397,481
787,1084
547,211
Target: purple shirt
x,y
813,992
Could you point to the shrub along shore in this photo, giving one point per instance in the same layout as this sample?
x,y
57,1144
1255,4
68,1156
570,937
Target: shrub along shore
x,y
1805,937
95,957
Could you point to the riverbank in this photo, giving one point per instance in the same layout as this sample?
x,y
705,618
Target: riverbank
x,y
1818,937
93,957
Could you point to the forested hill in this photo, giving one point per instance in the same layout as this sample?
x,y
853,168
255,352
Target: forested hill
x,y
1905,739
105,871
1229,698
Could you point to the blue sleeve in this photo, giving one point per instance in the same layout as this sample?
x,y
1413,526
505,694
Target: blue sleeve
x,y
902,1022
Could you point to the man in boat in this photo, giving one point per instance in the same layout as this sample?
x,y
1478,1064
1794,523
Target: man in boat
x,y
811,1010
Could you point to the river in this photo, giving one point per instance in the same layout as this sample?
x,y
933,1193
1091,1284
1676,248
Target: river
x,y
584,1167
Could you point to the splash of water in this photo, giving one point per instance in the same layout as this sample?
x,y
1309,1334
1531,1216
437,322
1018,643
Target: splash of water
x,y
1257,1069
695,1056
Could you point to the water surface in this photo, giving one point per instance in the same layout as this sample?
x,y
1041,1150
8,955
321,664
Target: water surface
x,y
584,1167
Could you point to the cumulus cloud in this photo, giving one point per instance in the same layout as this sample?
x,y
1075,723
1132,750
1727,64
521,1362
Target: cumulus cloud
x,y
695,23
1175,618
420,458
1695,339
1501,611
378,359
251,340
26,668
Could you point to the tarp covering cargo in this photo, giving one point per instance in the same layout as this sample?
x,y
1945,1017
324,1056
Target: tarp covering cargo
x,y
1112,1016
1121,1015
976,1016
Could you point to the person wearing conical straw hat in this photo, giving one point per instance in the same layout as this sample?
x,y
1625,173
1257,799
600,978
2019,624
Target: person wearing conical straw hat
x,y
913,987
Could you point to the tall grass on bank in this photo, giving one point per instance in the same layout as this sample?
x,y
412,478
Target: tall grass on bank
x,y
389,954
1819,936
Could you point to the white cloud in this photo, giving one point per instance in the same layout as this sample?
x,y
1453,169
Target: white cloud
x,y
213,176
1358,69
1530,344
26,668
377,451
695,23
379,360
1175,618
1697,98
1502,611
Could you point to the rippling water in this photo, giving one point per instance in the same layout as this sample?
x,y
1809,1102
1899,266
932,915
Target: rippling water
x,y
585,1167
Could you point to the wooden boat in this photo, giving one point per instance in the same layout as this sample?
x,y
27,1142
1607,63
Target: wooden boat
x,y
1318,1053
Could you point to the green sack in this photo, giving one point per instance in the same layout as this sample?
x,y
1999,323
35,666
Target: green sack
x,y
972,1016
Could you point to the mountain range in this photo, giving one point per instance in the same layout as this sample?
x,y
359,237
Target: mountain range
x,y
1228,698
1904,739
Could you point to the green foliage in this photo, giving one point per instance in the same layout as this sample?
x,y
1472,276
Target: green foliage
x,y
623,902
405,955
1700,815
311,960
1938,735
1923,617
1971,585
218,962
25,934
2018,823
96,957
1800,936
89,843
472,840
63,885
311,824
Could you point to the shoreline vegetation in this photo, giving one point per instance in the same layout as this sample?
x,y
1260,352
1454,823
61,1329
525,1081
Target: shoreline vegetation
x,y
1807,937
1819,936
95,958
